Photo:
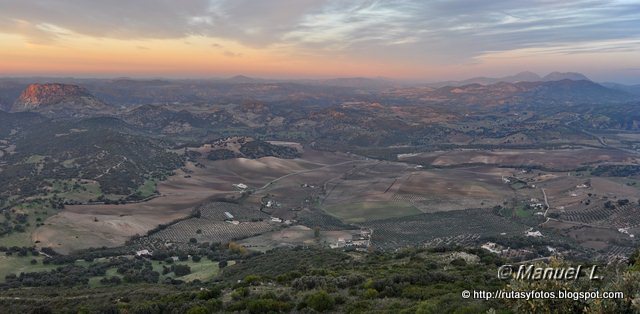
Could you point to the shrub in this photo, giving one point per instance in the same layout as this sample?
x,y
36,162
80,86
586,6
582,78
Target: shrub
x,y
181,270
370,294
198,310
252,279
209,294
268,306
320,301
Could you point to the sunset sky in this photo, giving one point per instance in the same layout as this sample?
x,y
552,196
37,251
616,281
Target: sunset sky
x,y
426,40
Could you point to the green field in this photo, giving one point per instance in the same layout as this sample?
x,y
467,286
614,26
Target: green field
x,y
95,281
37,211
76,190
17,239
21,264
203,270
369,211
523,213
148,188
34,159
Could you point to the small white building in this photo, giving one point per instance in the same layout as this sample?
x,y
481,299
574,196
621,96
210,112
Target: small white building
x,y
240,186
535,234
143,253
491,247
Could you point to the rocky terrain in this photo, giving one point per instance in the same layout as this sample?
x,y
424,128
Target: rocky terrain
x,y
54,99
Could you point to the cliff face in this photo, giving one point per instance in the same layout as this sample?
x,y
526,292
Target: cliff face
x,y
58,99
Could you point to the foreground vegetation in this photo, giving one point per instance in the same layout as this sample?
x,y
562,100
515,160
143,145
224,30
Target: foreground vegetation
x,y
302,280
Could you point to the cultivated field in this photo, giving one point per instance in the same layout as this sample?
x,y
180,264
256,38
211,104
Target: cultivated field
x,y
402,202
366,211
599,213
295,236
425,229
557,159
398,189
84,226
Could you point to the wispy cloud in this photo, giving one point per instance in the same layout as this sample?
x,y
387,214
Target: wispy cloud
x,y
438,31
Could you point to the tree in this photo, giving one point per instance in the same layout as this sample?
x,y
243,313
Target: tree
x,y
609,205
237,248
181,270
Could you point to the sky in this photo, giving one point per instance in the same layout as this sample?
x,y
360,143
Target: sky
x,y
412,39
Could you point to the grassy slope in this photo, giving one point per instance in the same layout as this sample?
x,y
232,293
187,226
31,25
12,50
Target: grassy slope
x,y
17,264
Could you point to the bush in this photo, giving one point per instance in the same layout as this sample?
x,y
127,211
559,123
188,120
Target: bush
x,y
240,293
198,310
268,306
459,262
209,294
237,248
252,279
181,270
370,294
623,202
427,307
320,301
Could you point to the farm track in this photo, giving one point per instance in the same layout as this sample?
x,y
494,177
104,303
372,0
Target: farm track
x,y
303,172
601,139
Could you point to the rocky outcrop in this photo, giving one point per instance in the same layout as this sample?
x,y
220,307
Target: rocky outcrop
x,y
55,99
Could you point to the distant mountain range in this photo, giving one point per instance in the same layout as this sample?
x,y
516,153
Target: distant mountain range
x,y
381,83
82,97
520,77
525,93
631,89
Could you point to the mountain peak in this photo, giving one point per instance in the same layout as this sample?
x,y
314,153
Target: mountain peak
x,y
242,79
525,76
54,97
36,95
558,76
